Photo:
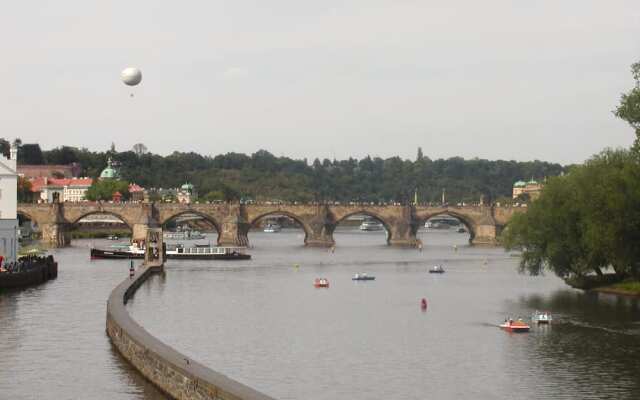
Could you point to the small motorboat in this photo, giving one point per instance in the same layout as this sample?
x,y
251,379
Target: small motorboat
x,y
113,237
363,277
436,269
272,228
321,283
519,325
541,317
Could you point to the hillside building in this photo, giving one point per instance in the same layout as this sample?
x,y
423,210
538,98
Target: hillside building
x,y
532,188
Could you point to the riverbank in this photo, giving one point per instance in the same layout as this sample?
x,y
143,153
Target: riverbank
x,y
627,288
607,283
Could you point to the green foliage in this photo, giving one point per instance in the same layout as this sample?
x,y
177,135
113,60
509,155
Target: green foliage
x,y
214,195
30,154
104,189
629,108
265,177
630,287
584,221
24,190
5,147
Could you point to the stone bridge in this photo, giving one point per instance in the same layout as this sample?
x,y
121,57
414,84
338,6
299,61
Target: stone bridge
x,y
233,220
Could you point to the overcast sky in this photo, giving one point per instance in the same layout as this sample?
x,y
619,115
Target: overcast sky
x,y
494,79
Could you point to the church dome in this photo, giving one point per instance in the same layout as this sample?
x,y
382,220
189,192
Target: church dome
x,y
110,172
519,184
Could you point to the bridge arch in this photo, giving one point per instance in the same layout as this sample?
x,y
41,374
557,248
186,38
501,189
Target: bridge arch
x,y
76,220
27,215
305,227
202,215
372,214
468,222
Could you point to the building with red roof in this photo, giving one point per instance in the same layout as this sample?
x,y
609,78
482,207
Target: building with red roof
x,y
136,192
66,189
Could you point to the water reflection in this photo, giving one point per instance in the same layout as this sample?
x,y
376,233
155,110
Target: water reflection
x,y
53,343
275,332
263,323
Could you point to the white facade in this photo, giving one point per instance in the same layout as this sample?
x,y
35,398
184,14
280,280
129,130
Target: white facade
x,y
74,193
9,206
65,189
48,192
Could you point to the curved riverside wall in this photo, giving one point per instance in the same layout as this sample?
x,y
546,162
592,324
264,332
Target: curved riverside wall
x,y
172,372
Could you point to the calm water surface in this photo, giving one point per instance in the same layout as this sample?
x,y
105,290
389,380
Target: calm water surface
x,y
263,323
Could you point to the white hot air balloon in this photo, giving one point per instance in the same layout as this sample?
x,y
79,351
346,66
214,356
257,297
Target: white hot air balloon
x,y
131,76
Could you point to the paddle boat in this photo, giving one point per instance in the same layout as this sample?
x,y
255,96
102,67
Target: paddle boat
x,y
519,325
541,317
363,277
321,283
436,269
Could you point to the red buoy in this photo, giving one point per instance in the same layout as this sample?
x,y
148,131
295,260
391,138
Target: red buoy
x,y
423,304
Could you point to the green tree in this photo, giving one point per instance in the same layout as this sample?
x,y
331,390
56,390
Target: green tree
x,y
214,195
139,149
629,108
30,154
5,147
25,195
584,222
104,189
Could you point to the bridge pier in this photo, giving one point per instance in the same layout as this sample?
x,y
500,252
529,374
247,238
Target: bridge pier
x,y
402,236
234,228
320,234
139,232
403,228
55,234
485,235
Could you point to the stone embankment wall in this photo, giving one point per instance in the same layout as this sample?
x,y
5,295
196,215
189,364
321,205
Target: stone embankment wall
x,y
172,372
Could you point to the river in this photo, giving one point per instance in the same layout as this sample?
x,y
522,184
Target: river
x,y
263,323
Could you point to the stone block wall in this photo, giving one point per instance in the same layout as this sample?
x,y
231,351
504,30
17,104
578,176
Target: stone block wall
x,y
172,372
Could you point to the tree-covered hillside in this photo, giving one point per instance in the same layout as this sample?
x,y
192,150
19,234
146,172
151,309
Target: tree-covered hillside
x,y
263,176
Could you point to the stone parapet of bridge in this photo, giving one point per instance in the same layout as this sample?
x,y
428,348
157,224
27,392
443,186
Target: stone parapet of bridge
x,y
233,221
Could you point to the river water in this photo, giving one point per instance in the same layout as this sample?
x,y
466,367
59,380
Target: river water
x,y
262,322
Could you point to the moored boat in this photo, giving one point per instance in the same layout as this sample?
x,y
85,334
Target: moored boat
x,y
321,283
370,224
541,317
436,269
175,252
272,228
363,277
184,235
519,325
